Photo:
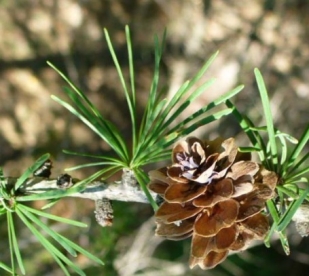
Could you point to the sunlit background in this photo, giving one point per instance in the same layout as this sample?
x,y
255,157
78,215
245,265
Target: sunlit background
x,y
271,35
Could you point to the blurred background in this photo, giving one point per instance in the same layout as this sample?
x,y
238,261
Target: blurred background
x,y
268,34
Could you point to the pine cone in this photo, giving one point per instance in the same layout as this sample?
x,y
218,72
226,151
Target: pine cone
x,y
214,195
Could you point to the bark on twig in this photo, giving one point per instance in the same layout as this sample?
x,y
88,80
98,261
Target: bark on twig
x,y
125,190
102,193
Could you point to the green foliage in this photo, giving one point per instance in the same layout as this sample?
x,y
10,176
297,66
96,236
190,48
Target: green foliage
x,y
154,136
273,153
13,207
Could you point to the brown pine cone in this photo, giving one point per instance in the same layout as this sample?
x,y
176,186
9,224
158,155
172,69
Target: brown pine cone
x,y
214,194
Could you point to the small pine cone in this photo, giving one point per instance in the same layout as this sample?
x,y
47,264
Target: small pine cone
x,y
215,195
